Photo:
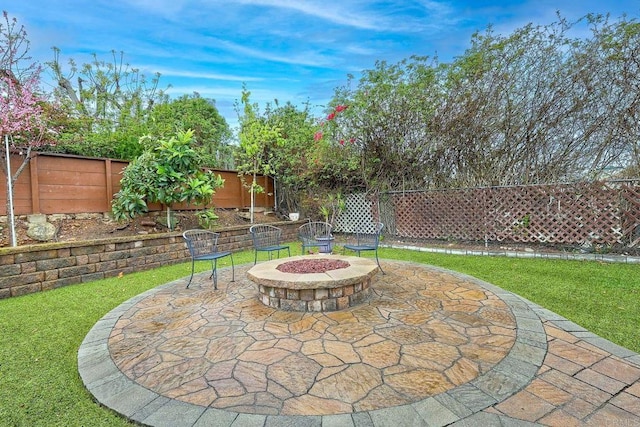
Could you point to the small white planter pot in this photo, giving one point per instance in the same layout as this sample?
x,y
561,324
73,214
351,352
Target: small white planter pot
x,y
294,216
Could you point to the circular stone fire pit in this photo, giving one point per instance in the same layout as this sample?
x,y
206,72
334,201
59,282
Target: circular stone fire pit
x,y
314,282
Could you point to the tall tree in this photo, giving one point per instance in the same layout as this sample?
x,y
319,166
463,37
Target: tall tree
x,y
387,124
111,102
211,132
538,105
258,137
22,113
291,160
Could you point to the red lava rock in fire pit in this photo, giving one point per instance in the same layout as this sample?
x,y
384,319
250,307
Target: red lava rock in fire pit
x,y
312,265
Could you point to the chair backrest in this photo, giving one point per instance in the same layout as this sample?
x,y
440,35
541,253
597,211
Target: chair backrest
x,y
311,230
265,236
369,234
201,242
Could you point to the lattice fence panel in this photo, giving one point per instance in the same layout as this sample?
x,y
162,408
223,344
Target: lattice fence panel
x,y
456,214
630,206
571,213
595,213
360,209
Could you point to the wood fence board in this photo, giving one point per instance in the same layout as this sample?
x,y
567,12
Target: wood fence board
x,y
72,178
72,206
65,192
65,164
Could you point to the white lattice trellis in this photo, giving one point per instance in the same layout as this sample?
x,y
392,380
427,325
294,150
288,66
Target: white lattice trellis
x,y
359,210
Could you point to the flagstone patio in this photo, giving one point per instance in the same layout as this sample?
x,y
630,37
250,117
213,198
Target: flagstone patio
x,y
429,347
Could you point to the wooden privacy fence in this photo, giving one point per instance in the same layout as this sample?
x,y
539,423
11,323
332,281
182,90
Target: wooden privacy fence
x,y
66,184
602,213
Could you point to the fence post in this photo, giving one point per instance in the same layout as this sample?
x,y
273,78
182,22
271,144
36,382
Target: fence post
x,y
109,184
35,186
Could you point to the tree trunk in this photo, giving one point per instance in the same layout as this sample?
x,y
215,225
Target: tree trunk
x,y
10,216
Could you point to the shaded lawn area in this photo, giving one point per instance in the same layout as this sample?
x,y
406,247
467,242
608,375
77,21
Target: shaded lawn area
x,y
41,333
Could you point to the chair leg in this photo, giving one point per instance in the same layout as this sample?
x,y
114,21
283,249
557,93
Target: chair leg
x,y
255,257
289,251
233,269
192,267
214,273
378,261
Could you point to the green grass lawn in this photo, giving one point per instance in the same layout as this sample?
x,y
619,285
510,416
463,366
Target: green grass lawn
x,y
41,333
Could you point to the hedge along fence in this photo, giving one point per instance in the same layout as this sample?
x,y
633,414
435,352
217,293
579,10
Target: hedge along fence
x,y
35,268
584,213
67,184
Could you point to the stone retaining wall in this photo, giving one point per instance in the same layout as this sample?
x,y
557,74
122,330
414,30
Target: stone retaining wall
x,y
34,268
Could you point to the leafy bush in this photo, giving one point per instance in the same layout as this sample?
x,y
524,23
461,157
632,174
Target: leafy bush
x,y
168,171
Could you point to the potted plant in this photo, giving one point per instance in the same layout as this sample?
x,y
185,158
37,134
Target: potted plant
x,y
333,206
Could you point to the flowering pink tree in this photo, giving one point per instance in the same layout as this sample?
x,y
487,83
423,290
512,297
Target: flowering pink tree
x,y
22,115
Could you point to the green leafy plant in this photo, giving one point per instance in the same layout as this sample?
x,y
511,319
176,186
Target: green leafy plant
x,y
257,136
332,206
207,218
168,172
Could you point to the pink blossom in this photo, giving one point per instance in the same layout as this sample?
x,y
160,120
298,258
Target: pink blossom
x,y
20,108
352,140
331,116
340,108
342,142
317,136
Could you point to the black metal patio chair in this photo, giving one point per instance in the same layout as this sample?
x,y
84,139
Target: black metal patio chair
x,y
316,234
367,239
203,246
267,238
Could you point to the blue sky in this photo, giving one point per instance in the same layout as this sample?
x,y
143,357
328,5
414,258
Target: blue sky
x,y
290,50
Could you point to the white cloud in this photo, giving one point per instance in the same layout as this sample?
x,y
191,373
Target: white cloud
x,y
167,72
342,13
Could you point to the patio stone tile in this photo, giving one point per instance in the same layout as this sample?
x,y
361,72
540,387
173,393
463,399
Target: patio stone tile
x,y
576,387
435,413
381,393
600,381
628,402
215,418
634,389
579,408
561,364
606,414
561,418
525,406
314,405
380,355
548,392
342,420
582,356
555,332
249,420
362,419
348,385
618,369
